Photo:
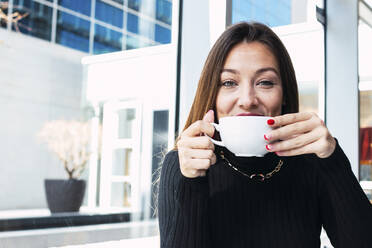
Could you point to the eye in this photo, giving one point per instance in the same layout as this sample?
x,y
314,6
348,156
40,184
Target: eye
x,y
265,83
228,83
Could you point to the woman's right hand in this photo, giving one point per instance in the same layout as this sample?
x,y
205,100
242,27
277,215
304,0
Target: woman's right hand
x,y
196,150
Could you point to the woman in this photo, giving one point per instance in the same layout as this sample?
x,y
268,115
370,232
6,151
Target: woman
x,y
308,181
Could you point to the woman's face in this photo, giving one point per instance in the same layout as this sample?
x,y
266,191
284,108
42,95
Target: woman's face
x,y
250,82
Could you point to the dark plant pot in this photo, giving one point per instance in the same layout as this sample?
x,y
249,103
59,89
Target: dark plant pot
x,y
64,195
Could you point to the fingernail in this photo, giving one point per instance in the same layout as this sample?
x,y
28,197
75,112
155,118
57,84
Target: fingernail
x,y
266,137
269,147
270,121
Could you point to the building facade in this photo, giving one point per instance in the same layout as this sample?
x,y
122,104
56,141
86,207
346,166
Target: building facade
x,y
92,26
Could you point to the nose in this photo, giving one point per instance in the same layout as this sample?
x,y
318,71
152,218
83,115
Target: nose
x,y
247,97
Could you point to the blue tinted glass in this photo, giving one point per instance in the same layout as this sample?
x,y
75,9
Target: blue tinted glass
x,y
109,14
162,35
240,10
270,12
81,6
132,23
72,31
146,28
106,40
164,11
133,42
37,20
134,4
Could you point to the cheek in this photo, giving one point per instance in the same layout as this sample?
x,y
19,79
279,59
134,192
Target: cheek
x,y
224,104
273,103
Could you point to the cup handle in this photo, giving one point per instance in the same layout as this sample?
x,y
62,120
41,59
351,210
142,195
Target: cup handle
x,y
216,142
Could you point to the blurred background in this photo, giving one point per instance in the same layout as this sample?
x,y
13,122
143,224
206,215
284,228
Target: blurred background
x,y
101,88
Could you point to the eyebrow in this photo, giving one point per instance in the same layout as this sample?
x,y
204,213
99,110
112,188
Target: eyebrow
x,y
259,71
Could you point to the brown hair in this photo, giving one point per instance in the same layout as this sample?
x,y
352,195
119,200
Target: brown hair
x,y
206,93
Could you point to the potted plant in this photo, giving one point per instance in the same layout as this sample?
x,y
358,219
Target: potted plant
x,y
69,140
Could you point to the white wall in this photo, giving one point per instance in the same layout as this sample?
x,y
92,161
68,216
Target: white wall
x,y
39,81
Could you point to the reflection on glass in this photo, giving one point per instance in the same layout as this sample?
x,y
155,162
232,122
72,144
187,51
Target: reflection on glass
x,y
134,4
162,34
82,7
120,194
37,21
72,31
146,28
271,12
365,106
164,11
121,162
109,14
106,40
134,42
126,118
132,23
159,148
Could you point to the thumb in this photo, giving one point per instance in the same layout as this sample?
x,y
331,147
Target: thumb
x,y
209,116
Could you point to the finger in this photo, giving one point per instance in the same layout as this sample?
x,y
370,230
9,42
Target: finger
x,y
309,148
199,127
209,116
286,119
199,153
295,142
199,164
200,142
214,159
294,129
202,173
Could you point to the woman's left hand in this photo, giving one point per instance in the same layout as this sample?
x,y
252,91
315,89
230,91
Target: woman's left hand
x,y
300,133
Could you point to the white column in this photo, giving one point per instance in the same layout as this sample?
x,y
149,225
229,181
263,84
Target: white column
x,y
342,96
202,23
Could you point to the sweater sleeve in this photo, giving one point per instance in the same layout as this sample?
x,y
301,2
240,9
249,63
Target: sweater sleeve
x,y
346,212
182,207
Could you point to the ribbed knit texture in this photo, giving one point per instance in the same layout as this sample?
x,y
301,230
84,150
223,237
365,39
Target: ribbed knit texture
x,y
227,209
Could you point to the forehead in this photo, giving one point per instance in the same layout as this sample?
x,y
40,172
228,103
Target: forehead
x,y
252,55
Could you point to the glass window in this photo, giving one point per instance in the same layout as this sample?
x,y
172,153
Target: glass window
x,y
132,23
36,21
271,12
146,28
121,161
121,194
133,42
365,107
164,11
134,4
159,147
106,40
162,35
126,118
109,14
72,31
78,6
4,13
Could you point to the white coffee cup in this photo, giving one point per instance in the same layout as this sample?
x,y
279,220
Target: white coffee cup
x,y
243,135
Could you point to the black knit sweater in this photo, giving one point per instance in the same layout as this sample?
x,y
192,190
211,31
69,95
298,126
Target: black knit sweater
x,y
227,209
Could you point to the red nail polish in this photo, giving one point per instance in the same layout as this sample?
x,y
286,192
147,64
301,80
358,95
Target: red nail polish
x,y
270,121
265,137
268,147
